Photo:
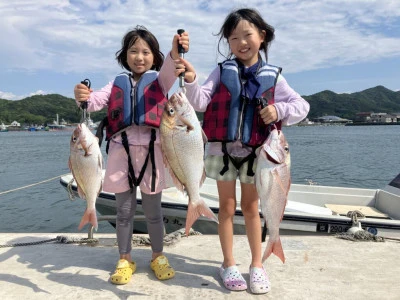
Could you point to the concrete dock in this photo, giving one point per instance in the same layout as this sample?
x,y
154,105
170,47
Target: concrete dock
x,y
316,267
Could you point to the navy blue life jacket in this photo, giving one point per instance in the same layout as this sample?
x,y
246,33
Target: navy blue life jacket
x,y
230,116
142,105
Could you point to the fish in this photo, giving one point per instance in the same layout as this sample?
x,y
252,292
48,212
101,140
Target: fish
x,y
86,164
272,178
182,144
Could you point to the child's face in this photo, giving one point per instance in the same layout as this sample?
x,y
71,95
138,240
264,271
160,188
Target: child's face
x,y
139,58
245,41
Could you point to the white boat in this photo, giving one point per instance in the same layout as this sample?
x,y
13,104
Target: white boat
x,y
310,209
57,125
3,128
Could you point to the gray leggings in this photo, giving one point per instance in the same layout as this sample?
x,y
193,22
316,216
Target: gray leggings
x,y
126,208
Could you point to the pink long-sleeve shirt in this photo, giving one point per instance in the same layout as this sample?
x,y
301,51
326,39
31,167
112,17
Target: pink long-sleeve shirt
x,y
291,108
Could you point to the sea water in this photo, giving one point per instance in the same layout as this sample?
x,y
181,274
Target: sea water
x,y
31,163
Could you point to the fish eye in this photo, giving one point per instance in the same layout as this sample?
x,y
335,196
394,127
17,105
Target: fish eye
x,y
171,111
286,148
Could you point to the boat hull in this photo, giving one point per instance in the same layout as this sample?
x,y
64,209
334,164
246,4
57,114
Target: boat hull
x,y
306,212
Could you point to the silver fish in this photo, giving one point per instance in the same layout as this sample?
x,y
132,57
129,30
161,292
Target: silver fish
x,y
273,183
182,142
86,163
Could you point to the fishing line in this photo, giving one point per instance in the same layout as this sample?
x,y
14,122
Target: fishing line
x,y
30,185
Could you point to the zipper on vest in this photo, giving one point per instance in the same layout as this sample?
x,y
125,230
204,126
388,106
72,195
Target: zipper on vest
x,y
240,121
240,127
133,102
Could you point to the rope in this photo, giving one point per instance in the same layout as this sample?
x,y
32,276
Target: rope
x,y
354,215
169,239
59,239
30,185
360,236
71,195
27,244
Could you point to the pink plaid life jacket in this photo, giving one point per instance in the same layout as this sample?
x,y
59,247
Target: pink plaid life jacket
x,y
143,107
231,116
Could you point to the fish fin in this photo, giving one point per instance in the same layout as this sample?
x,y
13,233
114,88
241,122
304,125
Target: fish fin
x,y
289,184
205,139
203,177
81,193
101,186
279,180
275,248
88,151
165,160
89,217
195,210
285,191
189,126
177,183
258,150
100,162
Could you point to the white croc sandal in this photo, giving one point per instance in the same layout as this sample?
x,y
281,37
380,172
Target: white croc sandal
x,y
259,281
232,279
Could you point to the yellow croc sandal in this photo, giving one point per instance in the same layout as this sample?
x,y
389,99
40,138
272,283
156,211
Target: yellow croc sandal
x,y
123,272
132,265
161,268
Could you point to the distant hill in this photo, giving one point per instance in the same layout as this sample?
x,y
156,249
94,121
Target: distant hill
x,y
42,109
377,99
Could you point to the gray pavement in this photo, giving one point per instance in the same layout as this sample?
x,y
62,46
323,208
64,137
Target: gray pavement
x,y
316,267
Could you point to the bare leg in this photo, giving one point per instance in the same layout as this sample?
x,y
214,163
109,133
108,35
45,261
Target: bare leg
x,y
249,205
227,207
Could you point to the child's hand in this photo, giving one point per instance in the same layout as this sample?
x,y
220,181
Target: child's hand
x,y
269,114
82,92
182,65
183,40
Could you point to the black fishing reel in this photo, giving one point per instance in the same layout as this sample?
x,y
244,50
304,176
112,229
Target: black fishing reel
x,y
88,84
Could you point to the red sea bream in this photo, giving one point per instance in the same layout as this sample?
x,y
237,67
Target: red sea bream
x,y
273,184
85,163
182,142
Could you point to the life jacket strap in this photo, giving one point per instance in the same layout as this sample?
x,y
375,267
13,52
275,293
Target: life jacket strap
x,y
133,181
131,172
250,158
100,128
153,161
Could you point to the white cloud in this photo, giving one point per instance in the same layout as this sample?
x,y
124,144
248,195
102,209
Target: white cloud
x,y
8,96
83,36
11,96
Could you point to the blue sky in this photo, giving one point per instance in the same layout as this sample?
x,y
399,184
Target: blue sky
x,y
342,46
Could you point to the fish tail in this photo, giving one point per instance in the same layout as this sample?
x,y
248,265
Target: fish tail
x,y
89,217
195,210
274,247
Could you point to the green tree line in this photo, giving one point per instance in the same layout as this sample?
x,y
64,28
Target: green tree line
x,y
42,109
